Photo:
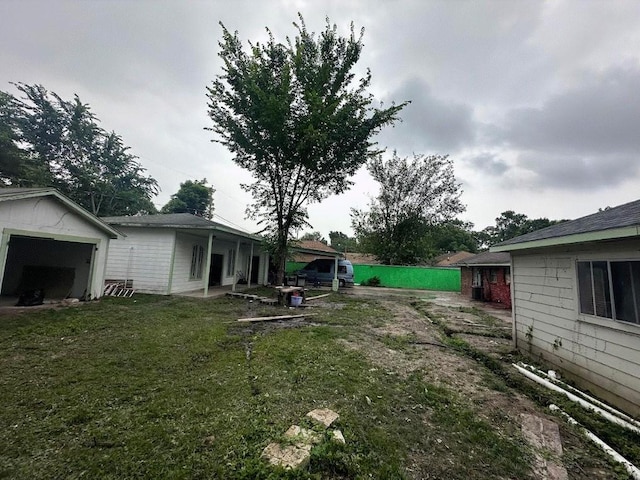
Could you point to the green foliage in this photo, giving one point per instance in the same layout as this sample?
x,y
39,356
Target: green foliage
x,y
372,282
415,196
193,197
343,243
511,224
46,141
313,236
298,119
452,236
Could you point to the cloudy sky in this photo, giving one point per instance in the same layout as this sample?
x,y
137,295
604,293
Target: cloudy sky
x,y
538,103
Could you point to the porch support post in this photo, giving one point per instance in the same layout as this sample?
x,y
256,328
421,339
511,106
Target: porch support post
x,y
235,266
251,266
207,263
265,269
335,284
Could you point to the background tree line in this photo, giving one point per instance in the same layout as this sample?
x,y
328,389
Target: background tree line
x,y
47,141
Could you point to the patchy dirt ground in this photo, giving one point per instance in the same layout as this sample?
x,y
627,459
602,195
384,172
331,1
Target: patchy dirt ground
x,y
412,342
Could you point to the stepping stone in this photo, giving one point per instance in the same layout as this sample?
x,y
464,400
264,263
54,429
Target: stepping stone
x,y
544,436
290,456
323,416
336,436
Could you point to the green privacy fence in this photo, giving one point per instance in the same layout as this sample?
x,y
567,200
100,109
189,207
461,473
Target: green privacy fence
x,y
426,278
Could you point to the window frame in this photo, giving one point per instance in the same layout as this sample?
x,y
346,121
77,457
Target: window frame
x,y
613,322
197,262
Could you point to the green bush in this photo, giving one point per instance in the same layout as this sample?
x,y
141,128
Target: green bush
x,y
372,282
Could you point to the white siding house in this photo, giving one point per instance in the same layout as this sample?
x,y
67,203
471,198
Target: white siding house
x,y
576,301
176,253
52,244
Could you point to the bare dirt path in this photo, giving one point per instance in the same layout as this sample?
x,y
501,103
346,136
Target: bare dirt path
x,y
420,320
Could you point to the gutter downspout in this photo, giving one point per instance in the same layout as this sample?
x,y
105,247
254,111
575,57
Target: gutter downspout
x,y
250,266
207,268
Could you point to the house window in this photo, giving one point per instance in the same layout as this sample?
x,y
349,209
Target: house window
x,y
477,278
493,275
197,256
610,289
231,261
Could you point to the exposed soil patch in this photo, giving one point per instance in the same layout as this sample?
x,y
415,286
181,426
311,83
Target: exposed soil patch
x,y
414,343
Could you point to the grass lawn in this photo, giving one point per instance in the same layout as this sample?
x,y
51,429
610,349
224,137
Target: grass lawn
x,y
163,387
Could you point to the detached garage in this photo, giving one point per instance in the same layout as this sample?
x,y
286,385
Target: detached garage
x,y
50,244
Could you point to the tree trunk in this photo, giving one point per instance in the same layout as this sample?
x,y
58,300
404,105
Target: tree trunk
x,y
281,258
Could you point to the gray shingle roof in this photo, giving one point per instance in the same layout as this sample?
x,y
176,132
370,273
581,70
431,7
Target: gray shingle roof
x,y
626,215
486,258
174,220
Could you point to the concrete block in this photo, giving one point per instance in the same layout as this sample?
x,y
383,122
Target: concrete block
x,y
336,436
289,456
323,416
544,436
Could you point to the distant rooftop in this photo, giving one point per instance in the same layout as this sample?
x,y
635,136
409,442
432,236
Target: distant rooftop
x,y
486,259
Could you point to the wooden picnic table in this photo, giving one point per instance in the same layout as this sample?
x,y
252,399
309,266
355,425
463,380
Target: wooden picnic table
x,y
285,293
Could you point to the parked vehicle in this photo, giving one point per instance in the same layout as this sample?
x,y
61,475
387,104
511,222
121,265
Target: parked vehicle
x,y
321,271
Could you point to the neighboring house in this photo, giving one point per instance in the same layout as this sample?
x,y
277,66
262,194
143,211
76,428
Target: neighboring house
x,y
181,252
450,259
361,258
306,251
52,244
576,299
487,277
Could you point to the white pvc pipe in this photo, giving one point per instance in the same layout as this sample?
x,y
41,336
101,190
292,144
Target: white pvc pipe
x,y
578,400
630,467
588,397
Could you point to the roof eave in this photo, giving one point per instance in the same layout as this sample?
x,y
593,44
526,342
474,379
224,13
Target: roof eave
x,y
213,228
611,234
482,264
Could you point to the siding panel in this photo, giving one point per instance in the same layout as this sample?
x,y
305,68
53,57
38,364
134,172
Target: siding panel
x,y
544,299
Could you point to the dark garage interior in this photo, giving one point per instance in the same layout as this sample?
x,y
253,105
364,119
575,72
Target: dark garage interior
x,y
60,268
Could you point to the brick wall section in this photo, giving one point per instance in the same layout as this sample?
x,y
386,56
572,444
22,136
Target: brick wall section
x,y
499,292
466,279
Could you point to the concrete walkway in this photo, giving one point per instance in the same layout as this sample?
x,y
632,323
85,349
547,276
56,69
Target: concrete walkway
x,y
446,299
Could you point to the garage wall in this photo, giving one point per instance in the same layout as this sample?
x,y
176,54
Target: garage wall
x,y
47,217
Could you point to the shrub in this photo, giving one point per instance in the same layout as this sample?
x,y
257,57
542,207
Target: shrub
x,y
372,282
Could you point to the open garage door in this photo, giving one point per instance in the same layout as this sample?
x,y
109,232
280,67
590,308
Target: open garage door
x,y
60,268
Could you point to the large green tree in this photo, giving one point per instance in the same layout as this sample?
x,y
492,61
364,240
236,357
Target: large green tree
x,y
298,118
194,197
315,236
49,141
343,243
415,195
511,224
